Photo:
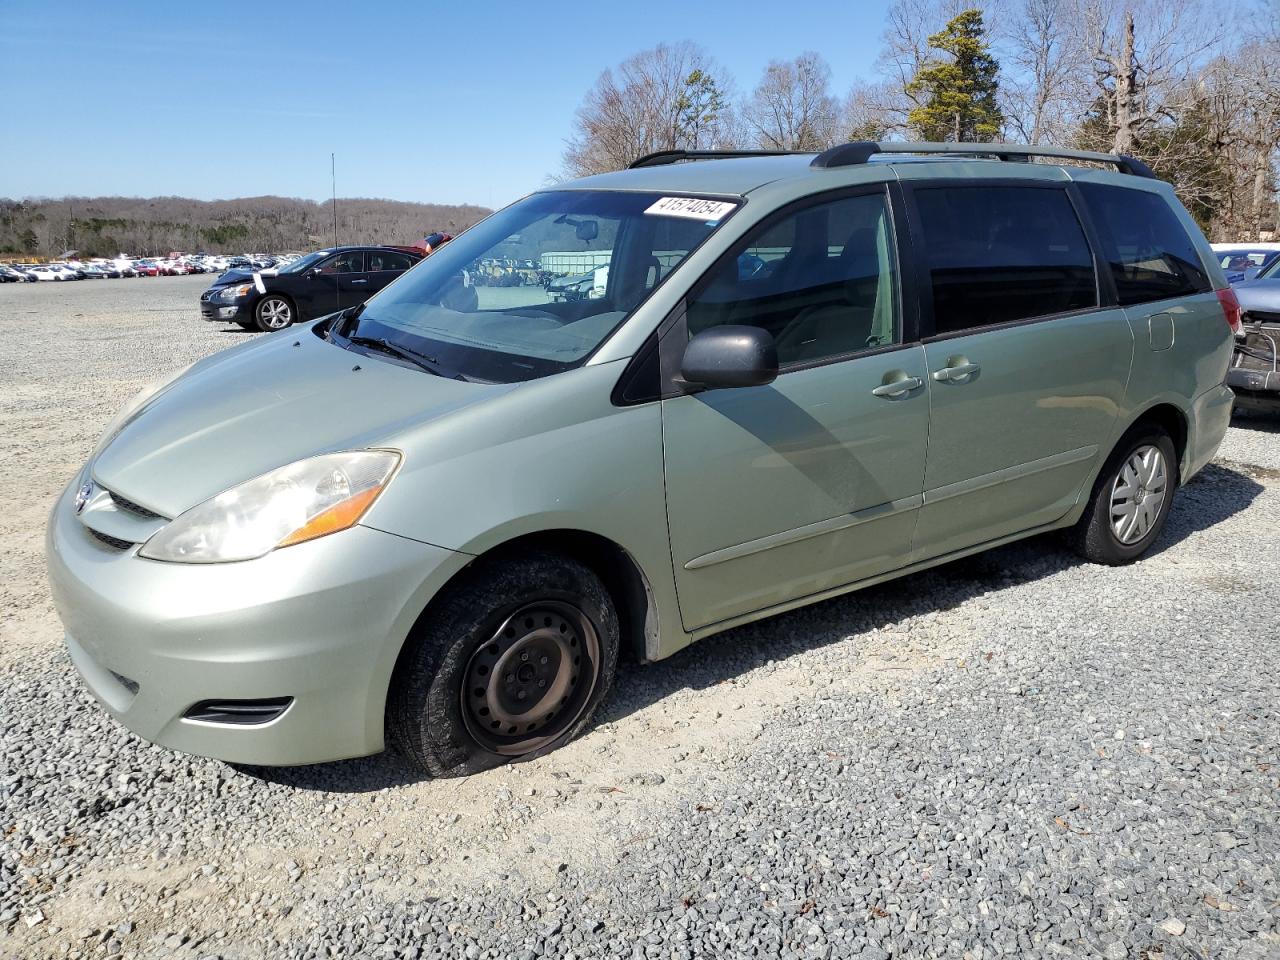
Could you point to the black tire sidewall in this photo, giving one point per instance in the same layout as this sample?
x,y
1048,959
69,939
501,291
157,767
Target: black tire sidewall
x,y
424,706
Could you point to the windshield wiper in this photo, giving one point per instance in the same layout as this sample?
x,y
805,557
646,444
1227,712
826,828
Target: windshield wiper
x,y
420,360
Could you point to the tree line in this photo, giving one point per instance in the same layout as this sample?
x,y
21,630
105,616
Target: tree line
x,y
1190,87
107,226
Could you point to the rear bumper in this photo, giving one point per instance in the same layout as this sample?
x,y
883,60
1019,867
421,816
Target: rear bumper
x,y
1210,417
321,623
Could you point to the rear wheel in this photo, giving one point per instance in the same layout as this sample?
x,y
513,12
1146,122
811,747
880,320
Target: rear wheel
x,y
1131,500
273,312
508,665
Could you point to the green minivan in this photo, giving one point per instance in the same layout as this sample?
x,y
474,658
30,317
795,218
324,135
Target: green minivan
x,y
437,519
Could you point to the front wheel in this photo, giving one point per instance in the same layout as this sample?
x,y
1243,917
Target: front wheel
x,y
273,313
508,664
1131,499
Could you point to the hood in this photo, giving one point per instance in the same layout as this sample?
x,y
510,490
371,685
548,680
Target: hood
x,y
248,410
235,275
1263,295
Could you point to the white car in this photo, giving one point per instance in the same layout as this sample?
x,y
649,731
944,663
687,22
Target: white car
x,y
47,271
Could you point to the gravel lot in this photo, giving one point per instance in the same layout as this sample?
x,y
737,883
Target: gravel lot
x,y
1013,755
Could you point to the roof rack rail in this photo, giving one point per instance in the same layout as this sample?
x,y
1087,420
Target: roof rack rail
x,y
860,151
675,156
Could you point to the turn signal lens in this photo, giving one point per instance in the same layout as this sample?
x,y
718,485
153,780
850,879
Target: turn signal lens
x,y
338,517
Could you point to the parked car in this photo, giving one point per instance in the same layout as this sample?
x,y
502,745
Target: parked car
x,y
1255,368
314,285
1243,261
436,519
51,271
9,275
146,268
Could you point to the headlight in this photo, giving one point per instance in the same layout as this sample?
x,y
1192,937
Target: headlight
x,y
295,503
236,292
127,412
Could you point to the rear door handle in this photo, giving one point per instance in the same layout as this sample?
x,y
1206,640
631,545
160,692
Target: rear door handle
x,y
959,372
897,388
353,282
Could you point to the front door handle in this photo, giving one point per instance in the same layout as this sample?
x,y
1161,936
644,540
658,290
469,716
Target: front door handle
x,y
354,282
897,388
960,371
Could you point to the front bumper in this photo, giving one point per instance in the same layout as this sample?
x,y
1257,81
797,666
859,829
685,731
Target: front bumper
x,y
321,622
224,311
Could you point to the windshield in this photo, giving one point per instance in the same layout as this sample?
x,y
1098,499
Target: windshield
x,y
1272,272
302,263
489,306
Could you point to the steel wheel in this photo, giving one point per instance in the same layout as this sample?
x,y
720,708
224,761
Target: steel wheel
x,y
531,681
1138,494
274,313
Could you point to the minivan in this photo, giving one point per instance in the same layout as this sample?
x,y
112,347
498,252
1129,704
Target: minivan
x,y
437,519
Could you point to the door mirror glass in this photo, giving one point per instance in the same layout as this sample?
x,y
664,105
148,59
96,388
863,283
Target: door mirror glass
x,y
730,355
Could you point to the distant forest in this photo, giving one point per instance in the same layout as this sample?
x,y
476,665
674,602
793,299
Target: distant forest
x,y
106,226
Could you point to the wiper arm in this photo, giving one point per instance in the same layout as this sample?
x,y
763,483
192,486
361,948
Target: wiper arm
x,y
420,360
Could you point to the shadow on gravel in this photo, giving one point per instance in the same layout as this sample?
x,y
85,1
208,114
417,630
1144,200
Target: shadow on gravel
x,y
1215,495
1258,422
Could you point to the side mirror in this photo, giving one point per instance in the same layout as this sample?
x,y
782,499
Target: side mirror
x,y
730,356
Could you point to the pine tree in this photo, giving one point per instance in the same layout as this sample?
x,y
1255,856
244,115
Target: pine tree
x,y
957,97
697,107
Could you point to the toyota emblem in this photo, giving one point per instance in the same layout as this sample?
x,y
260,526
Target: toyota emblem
x,y
83,495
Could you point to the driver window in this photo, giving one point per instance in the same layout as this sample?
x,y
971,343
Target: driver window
x,y
822,280
350,262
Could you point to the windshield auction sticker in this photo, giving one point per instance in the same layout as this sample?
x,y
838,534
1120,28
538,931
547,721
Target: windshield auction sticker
x,y
693,208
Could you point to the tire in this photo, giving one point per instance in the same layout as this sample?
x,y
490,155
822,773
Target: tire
x,y
1120,525
537,626
274,312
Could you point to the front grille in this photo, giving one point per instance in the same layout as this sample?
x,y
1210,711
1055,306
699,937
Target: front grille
x,y
135,508
239,712
113,542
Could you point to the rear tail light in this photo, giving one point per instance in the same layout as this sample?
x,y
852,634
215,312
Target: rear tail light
x,y
1230,309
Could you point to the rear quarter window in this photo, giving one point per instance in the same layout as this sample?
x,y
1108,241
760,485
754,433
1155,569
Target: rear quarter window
x,y
1145,245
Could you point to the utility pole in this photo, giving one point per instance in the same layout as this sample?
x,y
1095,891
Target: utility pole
x,y
333,182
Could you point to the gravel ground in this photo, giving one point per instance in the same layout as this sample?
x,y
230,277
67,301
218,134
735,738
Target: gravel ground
x,y
1013,755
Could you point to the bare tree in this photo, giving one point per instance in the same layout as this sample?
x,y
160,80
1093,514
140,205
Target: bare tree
x,y
1146,55
668,98
791,107
1044,92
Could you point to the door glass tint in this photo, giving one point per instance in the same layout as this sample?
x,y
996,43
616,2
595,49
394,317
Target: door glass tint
x,y
998,254
380,260
822,280
1143,241
350,262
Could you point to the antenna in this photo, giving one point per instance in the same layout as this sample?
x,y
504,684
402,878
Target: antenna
x,y
333,182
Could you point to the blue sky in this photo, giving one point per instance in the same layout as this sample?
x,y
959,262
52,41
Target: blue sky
x,y
448,102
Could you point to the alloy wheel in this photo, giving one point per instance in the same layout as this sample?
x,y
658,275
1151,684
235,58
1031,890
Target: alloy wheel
x,y
275,313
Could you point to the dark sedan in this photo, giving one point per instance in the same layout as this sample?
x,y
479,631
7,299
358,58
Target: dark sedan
x,y
309,287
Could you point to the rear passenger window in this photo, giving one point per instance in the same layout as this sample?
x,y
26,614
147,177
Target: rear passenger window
x,y
997,254
380,260
822,280
1150,255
